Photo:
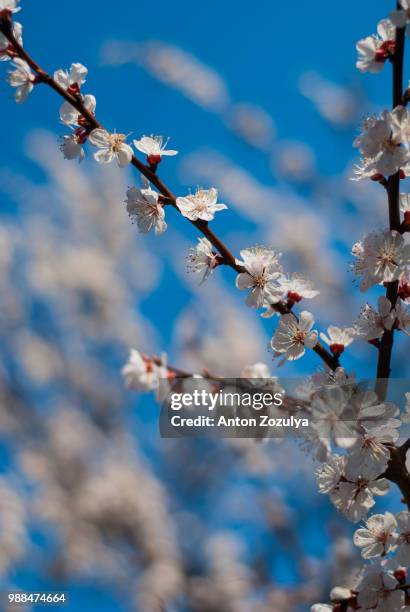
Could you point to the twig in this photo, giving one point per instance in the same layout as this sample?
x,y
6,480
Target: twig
x,y
228,258
397,471
393,194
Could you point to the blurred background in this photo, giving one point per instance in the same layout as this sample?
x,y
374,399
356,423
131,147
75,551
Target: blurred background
x,y
263,102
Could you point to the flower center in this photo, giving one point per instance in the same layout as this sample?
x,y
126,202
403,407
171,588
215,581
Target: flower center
x,y
299,336
153,210
381,536
116,141
259,281
387,256
201,203
361,485
374,447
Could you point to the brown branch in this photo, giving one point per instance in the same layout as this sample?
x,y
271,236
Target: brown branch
x,y
393,195
397,472
330,360
76,101
405,446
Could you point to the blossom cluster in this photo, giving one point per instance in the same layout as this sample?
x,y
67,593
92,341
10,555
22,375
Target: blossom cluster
x,y
353,431
343,416
365,430
381,585
379,258
353,478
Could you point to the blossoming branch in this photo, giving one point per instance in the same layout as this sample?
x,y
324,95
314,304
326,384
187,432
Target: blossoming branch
x,y
261,269
355,431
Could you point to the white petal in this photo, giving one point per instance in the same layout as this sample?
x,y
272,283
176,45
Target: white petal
x,y
68,114
90,102
296,351
23,91
311,339
146,145
184,204
244,281
78,73
104,156
99,138
306,320
124,155
61,77
169,152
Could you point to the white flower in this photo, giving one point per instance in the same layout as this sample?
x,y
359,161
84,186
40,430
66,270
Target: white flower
x,y
330,474
374,50
382,257
293,335
141,373
297,288
354,496
377,590
339,593
70,115
111,146
257,370
382,133
154,148
294,290
9,6
72,145
380,140
401,314
71,79
370,451
261,277
338,338
378,537
6,49
371,324
202,258
372,414
401,18
366,170
350,492
403,541
201,205
144,207
327,417
337,377
22,78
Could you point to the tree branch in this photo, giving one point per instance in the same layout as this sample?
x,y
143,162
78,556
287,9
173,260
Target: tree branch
x,y
228,258
397,472
393,194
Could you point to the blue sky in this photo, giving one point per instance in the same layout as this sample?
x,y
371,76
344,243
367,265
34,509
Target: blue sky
x,y
260,53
